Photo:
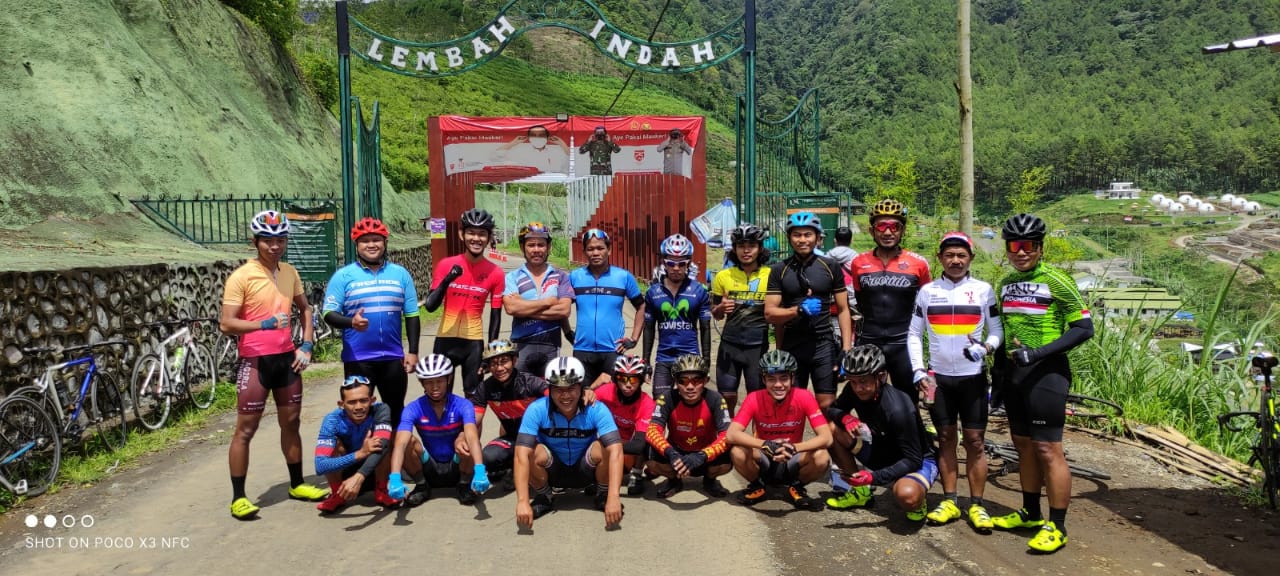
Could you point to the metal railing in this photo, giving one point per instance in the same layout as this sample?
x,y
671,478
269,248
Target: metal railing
x,y
214,221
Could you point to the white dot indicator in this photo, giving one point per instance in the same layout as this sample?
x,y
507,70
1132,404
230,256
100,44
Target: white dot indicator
x,y
50,521
32,521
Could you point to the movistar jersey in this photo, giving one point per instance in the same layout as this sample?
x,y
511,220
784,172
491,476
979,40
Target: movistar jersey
x,y
599,300
676,316
1037,305
745,326
383,296
567,438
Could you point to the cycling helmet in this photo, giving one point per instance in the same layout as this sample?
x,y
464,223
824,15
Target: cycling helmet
x,y
628,365
690,363
676,246
746,233
956,239
534,230
888,208
803,220
1023,227
477,218
565,371
369,225
777,361
498,348
434,366
862,360
269,224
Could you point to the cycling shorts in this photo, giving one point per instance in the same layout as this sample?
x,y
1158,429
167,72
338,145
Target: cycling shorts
x,y
532,358
465,355
663,379
578,474
778,473
735,363
596,363
441,474
722,460
964,397
499,455
369,481
898,364
260,374
1036,400
388,378
816,362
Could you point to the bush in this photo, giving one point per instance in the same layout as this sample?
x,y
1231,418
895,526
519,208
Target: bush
x,y
321,75
279,18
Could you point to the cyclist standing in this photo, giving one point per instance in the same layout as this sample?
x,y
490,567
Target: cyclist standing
x,y
631,408
738,294
801,291
1044,317
369,300
688,431
671,308
509,391
886,280
601,289
953,311
539,298
255,306
463,283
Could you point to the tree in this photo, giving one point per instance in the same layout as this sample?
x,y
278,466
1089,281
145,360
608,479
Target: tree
x,y
895,178
1033,181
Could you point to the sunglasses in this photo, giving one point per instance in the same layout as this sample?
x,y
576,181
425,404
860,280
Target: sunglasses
x,y
629,378
691,380
1027,246
354,380
593,234
675,263
888,226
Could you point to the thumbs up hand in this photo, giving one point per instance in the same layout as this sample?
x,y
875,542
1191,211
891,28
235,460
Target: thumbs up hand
x,y
359,322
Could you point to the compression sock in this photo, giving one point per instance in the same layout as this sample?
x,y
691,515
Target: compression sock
x,y
237,488
295,474
978,501
949,496
1031,505
1059,518
602,488
334,485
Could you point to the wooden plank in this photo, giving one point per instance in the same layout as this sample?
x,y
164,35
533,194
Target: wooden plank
x,y
1216,462
1181,467
1184,446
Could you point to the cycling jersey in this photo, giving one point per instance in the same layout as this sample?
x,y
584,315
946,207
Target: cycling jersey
x,y
555,284
794,279
898,439
509,401
886,292
780,420
676,317
384,297
702,426
600,323
438,432
745,326
464,302
337,430
1038,304
954,315
261,294
567,438
630,417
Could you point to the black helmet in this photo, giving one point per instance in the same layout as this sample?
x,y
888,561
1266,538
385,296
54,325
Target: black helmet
x,y
862,360
1023,227
777,361
477,218
746,233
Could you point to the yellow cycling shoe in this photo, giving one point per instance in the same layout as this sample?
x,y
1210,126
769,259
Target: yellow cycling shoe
x,y
1048,540
243,509
918,515
1015,520
979,519
857,497
944,512
308,492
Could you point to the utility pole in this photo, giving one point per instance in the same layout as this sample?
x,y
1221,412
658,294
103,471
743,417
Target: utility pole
x,y
964,88
748,207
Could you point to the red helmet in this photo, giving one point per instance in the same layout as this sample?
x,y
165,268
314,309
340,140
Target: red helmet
x,y
369,225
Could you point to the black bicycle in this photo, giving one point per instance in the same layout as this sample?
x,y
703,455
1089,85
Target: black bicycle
x,y
1266,446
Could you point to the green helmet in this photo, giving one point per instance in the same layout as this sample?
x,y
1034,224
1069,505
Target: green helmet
x,y
777,361
690,363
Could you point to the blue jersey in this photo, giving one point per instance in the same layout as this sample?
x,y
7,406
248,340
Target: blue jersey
x,y
568,439
555,284
676,317
385,297
438,433
600,323
338,431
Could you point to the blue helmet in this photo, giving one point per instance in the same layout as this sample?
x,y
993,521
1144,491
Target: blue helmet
x,y
802,220
676,246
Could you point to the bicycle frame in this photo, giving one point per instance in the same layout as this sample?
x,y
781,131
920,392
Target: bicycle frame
x,y
169,373
46,385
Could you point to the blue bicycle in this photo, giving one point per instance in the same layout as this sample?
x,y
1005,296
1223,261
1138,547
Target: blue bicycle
x,y
93,412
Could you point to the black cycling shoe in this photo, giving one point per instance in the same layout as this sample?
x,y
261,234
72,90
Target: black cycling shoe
x,y
466,496
541,506
670,488
421,493
509,483
634,483
714,488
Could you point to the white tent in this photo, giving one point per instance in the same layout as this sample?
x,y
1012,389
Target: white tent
x,y
1177,207
1238,202
1166,203
1205,207
1156,198
1195,202
1227,198
1186,198
1252,206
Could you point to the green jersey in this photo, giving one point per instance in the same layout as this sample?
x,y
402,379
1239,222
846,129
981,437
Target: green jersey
x,y
1037,305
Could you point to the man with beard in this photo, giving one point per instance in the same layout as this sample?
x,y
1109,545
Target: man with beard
x,y
631,408
601,289
369,300
539,298
737,297
677,313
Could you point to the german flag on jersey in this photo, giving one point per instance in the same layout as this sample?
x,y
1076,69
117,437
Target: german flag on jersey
x,y
949,320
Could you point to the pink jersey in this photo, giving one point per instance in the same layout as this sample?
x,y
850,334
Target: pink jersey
x,y
629,417
780,420
464,301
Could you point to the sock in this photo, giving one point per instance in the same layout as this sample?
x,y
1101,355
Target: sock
x,y
976,500
295,474
1059,518
602,489
237,488
1031,505
334,485
949,496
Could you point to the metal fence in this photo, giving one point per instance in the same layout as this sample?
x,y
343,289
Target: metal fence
x,y
215,221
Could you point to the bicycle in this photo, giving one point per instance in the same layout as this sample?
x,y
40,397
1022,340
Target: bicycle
x,y
30,447
1266,447
105,410
158,377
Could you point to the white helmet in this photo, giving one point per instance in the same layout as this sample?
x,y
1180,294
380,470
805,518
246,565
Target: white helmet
x,y
434,366
565,371
269,223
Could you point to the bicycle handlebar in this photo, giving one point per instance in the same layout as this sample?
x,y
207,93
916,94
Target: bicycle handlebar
x,y
62,350
1228,421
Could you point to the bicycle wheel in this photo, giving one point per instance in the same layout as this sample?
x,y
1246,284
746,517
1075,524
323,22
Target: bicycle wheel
x,y
1088,473
106,411
1269,452
30,446
201,376
147,392
226,355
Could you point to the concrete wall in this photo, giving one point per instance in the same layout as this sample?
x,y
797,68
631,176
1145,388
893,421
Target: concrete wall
x,y
91,305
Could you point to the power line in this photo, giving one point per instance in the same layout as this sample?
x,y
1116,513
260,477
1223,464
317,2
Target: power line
x,y
627,82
